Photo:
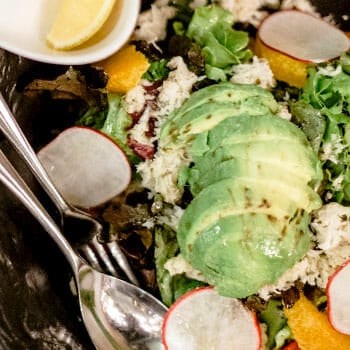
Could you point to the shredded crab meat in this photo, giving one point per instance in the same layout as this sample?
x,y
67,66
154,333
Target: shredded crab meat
x,y
251,11
256,72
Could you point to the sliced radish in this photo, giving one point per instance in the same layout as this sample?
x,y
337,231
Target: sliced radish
x,y
302,36
338,295
202,319
87,167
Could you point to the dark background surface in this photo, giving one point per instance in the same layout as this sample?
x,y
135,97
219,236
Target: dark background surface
x,y
37,309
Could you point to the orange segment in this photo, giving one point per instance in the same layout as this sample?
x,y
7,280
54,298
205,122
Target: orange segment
x,y
285,68
124,69
311,328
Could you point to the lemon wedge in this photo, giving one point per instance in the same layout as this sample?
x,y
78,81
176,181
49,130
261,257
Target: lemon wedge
x,y
77,21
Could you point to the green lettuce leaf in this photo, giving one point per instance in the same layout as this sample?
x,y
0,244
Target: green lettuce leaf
x,y
212,28
114,121
276,322
323,111
157,70
166,247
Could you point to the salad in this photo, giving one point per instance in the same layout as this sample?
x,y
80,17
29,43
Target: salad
x,y
241,175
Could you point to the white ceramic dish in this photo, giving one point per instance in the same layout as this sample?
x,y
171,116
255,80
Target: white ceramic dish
x,y
24,25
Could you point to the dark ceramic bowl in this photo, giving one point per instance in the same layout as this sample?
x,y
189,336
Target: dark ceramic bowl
x,y
37,309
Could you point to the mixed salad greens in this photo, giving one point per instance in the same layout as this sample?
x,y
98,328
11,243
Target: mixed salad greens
x,y
225,190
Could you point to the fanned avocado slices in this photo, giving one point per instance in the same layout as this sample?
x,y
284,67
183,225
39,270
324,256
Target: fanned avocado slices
x,y
253,177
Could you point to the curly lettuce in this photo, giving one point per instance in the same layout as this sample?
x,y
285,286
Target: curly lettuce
x,y
114,121
323,112
171,287
223,46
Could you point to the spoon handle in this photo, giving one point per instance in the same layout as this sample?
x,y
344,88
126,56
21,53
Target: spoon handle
x,y
14,182
14,133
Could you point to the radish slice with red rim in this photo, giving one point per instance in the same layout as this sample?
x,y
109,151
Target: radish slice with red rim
x,y
86,166
202,319
338,296
303,36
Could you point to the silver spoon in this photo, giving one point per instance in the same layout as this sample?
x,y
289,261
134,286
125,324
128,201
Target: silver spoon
x,y
117,315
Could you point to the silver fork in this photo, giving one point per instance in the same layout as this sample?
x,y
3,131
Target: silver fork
x,y
105,257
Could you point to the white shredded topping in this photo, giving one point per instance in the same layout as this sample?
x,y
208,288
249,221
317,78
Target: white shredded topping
x,y
151,24
284,112
302,5
332,224
160,174
251,11
178,265
171,217
175,89
256,72
330,71
332,149
138,132
135,99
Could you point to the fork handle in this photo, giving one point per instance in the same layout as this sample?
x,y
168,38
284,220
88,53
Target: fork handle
x,y
14,182
14,133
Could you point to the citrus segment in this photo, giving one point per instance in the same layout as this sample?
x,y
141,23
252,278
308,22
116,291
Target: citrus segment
x,y
311,328
77,21
284,68
124,69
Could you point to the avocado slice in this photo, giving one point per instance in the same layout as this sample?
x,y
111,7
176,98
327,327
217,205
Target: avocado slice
x,y
198,179
194,114
205,117
292,155
247,128
255,127
239,196
239,254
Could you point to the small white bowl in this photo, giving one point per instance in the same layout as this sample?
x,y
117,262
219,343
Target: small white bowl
x,y
24,25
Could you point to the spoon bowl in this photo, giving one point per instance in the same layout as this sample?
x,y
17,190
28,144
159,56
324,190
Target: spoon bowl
x,y
25,23
117,314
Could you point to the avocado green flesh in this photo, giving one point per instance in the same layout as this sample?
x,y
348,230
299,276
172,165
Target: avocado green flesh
x,y
240,254
258,171
235,197
270,152
223,92
252,127
207,107
205,117
253,178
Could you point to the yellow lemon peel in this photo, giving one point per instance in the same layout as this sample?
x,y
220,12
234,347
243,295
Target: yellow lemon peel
x,y
77,21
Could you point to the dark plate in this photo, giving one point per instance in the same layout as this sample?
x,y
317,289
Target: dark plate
x,y
37,309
